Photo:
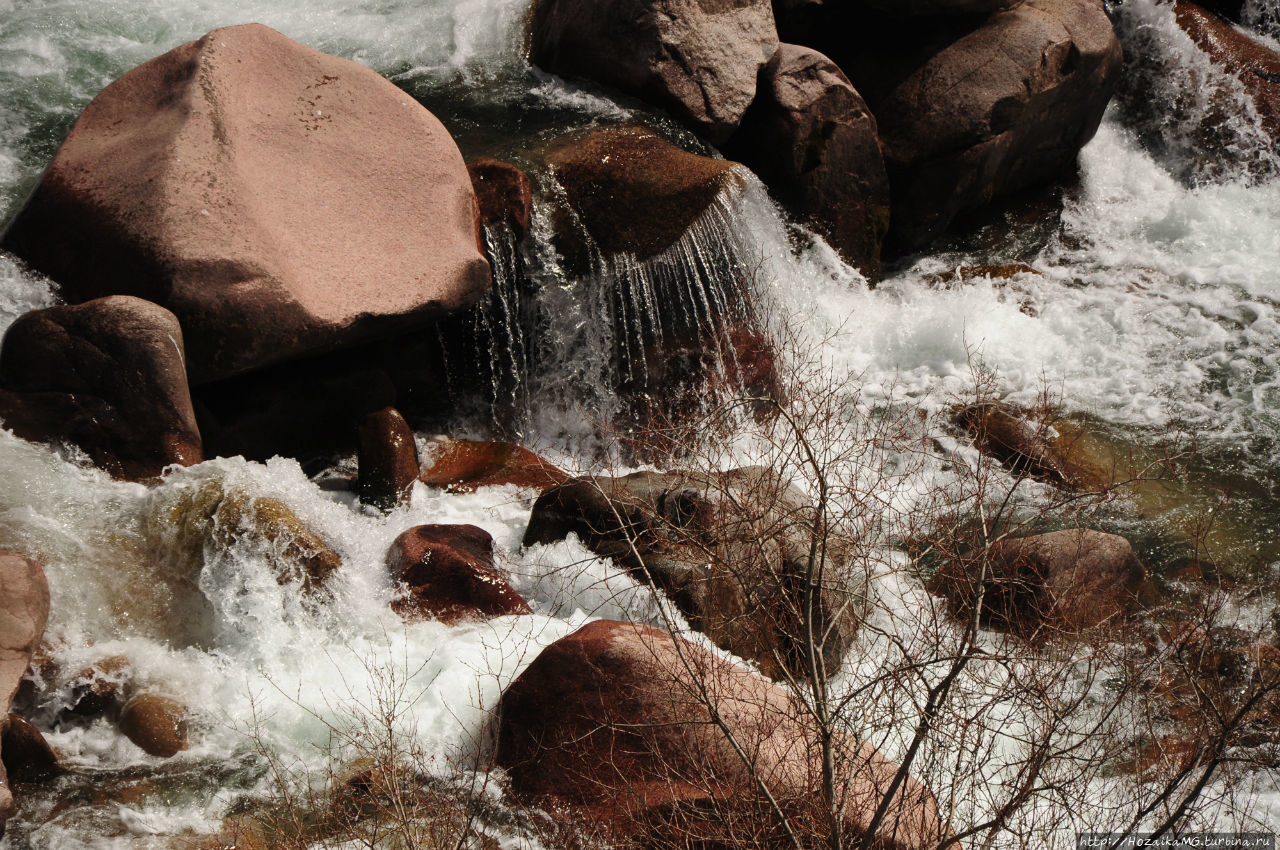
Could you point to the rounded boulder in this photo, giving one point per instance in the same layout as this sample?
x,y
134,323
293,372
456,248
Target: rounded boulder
x,y
280,201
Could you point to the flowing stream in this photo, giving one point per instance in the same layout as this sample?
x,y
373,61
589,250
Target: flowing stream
x,y
1152,313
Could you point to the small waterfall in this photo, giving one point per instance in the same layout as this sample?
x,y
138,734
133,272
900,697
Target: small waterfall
x,y
623,343
487,351
1195,117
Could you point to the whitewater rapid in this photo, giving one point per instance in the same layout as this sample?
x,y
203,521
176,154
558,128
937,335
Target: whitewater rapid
x,y
1153,309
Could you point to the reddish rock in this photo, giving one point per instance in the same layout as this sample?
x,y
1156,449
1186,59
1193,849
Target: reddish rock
x,y
450,574
505,194
388,459
1255,65
731,550
463,465
813,141
24,609
969,113
155,723
612,720
635,192
1066,582
26,754
279,201
697,59
109,376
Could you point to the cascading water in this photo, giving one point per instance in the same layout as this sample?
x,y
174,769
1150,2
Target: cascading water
x,y
1154,306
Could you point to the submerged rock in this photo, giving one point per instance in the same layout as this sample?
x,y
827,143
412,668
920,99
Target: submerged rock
x,y
108,376
731,549
278,200
1066,582
461,466
98,689
813,141
633,191
24,610
388,459
971,113
450,574
617,720
157,724
694,58
210,514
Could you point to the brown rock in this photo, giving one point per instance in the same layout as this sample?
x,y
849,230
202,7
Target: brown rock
x,y
1017,440
27,755
279,201
24,609
388,459
504,193
697,59
155,723
99,688
612,719
1255,65
1066,582
730,549
450,574
635,192
109,376
813,141
461,466
969,114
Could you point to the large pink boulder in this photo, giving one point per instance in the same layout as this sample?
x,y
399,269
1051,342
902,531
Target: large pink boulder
x,y
278,200
616,721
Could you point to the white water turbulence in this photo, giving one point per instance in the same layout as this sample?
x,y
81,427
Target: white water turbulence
x,y
1153,305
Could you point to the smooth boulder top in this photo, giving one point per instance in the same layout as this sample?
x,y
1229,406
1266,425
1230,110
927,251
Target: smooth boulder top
x,y
970,115
278,200
696,58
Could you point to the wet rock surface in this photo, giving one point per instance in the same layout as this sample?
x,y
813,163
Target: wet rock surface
x,y
108,376
450,575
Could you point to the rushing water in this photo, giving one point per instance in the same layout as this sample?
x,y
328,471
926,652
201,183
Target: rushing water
x,y
1154,310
